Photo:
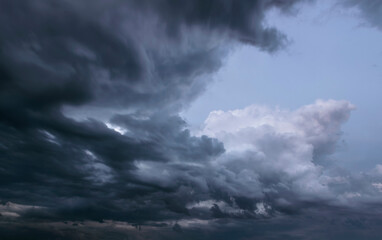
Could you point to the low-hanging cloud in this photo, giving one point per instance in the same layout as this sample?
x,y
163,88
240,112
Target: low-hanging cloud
x,y
137,63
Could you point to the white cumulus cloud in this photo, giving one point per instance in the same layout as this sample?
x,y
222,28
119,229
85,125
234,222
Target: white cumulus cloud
x,y
275,151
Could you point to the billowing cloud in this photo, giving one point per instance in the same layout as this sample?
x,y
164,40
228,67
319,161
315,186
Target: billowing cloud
x,y
279,151
274,161
72,53
135,64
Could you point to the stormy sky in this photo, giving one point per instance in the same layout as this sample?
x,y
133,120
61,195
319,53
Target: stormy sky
x,y
193,119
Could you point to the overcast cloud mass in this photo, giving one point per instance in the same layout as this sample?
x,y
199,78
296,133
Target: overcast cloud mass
x,y
92,145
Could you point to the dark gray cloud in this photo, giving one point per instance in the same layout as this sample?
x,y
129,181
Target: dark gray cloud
x,y
138,63
131,54
85,170
370,10
149,59
321,223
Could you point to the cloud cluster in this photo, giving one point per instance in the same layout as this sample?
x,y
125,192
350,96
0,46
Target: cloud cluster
x,y
277,152
137,63
90,93
274,162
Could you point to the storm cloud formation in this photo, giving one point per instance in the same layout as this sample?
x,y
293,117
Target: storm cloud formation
x,y
90,134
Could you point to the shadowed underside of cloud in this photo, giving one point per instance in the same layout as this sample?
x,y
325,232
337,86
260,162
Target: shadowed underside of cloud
x,y
138,63
322,223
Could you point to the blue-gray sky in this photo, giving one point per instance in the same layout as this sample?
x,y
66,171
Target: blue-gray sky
x,y
333,54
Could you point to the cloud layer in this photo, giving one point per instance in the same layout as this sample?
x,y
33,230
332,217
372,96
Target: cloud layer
x,y
137,63
90,133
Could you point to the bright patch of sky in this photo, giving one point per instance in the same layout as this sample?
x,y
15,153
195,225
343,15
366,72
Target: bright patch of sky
x,y
333,54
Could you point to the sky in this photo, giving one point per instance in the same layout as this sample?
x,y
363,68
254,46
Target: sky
x,y
343,64
202,119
